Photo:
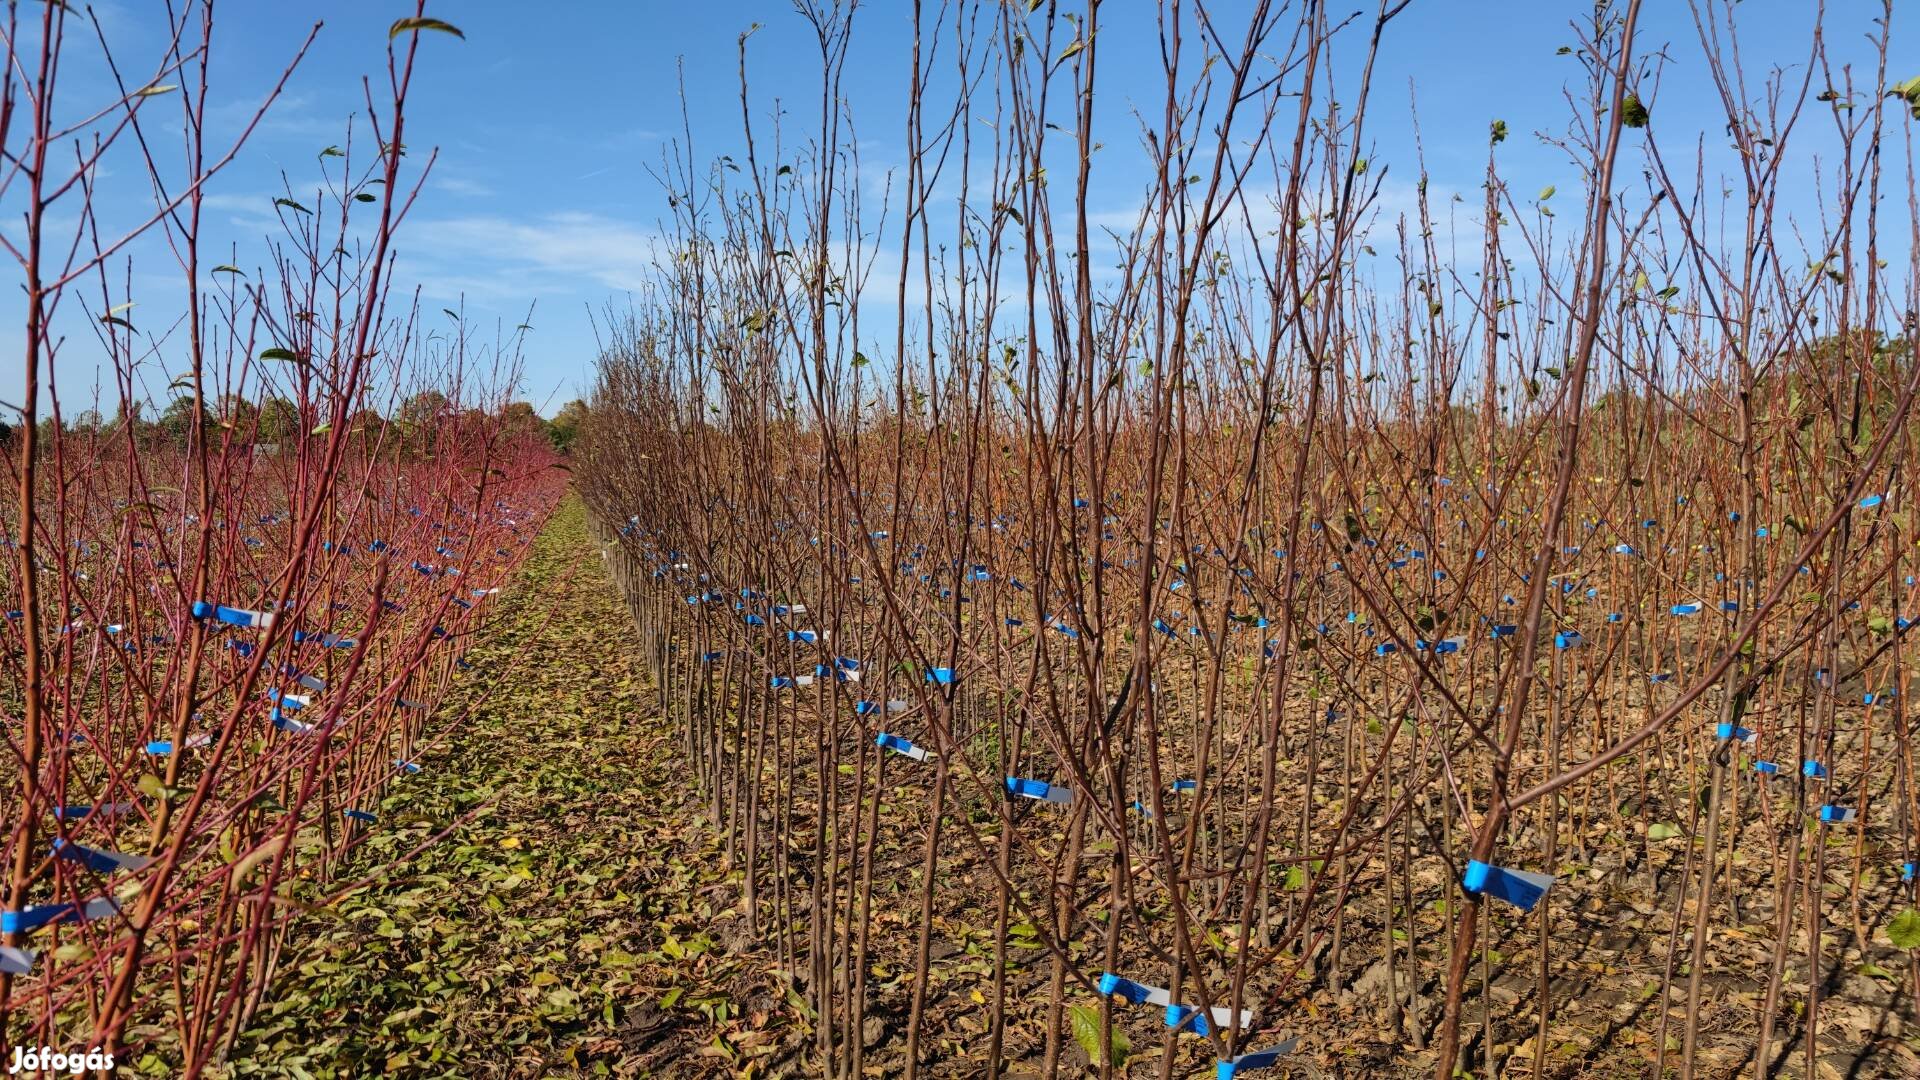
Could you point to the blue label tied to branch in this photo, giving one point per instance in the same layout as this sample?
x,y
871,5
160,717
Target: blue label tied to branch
x,y
1039,790
33,918
1521,888
164,747
83,810
233,616
1112,985
16,961
100,862
1191,1018
900,746
1259,1059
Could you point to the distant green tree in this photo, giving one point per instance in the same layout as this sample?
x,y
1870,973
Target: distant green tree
x,y
422,408
177,422
279,421
129,420
521,418
237,413
565,426
419,419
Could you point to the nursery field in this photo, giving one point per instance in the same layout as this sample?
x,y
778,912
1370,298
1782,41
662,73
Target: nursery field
x,y
234,622
1298,623
1291,848
1254,637
579,910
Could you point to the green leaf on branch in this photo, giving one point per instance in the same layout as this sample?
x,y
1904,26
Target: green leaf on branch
x,y
1904,930
1086,1032
424,23
1909,92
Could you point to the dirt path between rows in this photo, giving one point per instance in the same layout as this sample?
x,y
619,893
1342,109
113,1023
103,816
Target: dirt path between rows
x,y
559,928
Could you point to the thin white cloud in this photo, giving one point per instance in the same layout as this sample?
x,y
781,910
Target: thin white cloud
x,y
580,251
290,116
458,185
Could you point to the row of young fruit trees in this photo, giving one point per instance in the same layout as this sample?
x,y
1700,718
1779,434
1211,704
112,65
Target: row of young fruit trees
x,y
1209,609
1221,604
224,643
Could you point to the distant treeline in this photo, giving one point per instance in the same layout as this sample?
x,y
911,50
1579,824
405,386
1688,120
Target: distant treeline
x,y
276,420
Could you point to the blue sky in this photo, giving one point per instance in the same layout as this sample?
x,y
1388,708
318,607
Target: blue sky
x,y
547,117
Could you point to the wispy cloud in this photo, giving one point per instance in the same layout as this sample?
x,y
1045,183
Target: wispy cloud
x,y
629,138
459,185
574,251
290,116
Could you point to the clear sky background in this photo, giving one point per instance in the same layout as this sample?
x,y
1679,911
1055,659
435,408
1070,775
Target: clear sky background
x,y
547,117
